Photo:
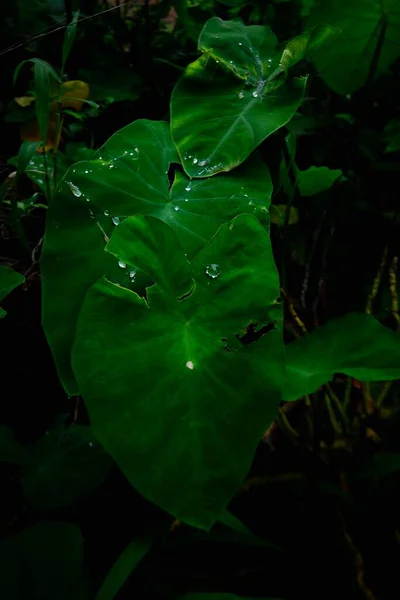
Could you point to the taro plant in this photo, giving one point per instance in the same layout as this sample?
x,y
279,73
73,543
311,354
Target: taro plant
x,y
161,297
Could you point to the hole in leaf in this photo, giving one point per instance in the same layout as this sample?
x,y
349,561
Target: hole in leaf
x,y
189,293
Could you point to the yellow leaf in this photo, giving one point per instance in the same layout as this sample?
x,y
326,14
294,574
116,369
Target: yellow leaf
x,y
278,211
25,101
73,93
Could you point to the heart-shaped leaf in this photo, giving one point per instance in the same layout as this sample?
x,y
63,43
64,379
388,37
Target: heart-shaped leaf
x,y
231,98
180,385
130,176
355,344
367,46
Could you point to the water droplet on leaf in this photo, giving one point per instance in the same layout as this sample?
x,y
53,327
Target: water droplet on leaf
x,y
74,189
176,208
121,264
212,270
202,163
106,213
241,95
132,274
188,188
116,220
195,160
255,94
190,365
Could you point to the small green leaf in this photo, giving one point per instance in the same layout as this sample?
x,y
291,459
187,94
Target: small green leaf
x,y
63,466
355,344
317,179
69,38
368,40
300,47
182,353
231,98
124,566
9,279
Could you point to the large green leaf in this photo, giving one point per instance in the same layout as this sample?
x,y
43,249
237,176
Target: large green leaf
x,y
355,344
231,98
43,562
368,44
174,393
9,279
130,177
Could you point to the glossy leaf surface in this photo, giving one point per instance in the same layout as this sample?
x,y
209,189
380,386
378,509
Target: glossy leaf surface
x,y
130,176
152,372
355,344
368,44
231,98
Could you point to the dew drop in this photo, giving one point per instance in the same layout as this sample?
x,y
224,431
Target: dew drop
x,y
241,95
74,189
136,149
212,270
176,208
186,199
86,171
190,365
195,161
188,188
255,94
116,220
121,264
90,444
132,274
240,44
202,163
111,166
106,213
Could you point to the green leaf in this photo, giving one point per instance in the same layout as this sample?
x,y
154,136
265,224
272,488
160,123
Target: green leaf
x,y
26,152
42,93
392,136
124,566
231,98
301,46
69,38
9,279
367,46
63,466
130,177
317,179
184,351
44,561
355,344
